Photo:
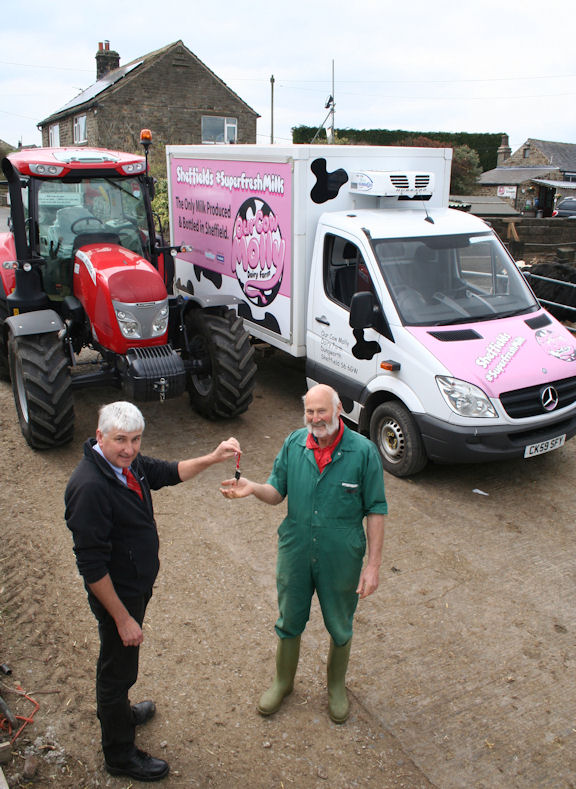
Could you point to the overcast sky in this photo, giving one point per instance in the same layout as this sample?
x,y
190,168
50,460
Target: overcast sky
x,y
419,65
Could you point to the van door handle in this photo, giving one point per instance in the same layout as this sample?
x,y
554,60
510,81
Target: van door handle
x,y
322,319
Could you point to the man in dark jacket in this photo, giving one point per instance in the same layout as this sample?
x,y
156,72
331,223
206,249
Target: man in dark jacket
x,y
109,511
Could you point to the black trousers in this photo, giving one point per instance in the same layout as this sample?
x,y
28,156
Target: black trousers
x,y
116,672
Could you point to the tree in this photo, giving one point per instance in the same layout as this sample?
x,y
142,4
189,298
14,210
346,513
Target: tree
x,y
466,170
466,167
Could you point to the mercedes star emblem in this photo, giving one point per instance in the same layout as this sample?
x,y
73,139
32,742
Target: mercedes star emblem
x,y
549,398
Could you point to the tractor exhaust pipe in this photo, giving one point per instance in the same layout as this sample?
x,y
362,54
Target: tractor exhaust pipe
x,y
28,293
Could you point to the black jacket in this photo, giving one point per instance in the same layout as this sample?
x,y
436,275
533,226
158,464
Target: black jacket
x,y
114,530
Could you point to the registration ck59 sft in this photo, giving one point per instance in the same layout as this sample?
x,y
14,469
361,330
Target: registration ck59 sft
x,y
544,446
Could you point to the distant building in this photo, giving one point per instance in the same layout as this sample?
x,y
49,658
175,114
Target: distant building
x,y
534,177
170,91
483,205
5,147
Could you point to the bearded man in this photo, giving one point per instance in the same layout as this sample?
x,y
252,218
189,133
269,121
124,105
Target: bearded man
x,y
333,479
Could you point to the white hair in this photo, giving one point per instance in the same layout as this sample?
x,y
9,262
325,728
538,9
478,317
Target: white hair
x,y
120,415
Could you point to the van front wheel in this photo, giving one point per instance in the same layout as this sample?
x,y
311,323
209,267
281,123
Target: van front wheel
x,y
393,430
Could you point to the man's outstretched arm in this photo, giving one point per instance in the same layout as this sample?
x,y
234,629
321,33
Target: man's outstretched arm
x,y
187,469
241,488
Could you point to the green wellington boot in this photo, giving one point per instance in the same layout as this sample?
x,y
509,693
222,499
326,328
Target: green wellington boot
x,y
338,704
287,654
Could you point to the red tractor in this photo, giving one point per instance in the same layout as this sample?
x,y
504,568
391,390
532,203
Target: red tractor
x,y
85,268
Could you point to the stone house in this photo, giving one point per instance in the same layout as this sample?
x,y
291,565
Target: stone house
x,y
534,177
169,91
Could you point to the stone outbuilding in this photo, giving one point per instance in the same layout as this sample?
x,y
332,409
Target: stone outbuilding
x,y
534,177
169,91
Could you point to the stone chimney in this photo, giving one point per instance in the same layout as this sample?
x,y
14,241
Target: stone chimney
x,y
504,151
106,60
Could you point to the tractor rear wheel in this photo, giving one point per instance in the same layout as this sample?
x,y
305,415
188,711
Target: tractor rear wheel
x,y
222,387
42,389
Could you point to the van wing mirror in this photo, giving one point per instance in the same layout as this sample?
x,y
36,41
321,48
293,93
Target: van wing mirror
x,y
362,310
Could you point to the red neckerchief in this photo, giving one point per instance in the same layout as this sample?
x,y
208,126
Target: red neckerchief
x,y
323,455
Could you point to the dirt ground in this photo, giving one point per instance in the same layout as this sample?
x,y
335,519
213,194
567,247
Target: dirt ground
x,y
462,666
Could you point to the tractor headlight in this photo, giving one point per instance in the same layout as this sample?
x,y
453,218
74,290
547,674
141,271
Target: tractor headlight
x,y
464,398
160,322
129,326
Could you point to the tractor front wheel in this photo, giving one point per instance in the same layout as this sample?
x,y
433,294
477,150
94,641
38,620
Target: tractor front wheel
x,y
42,389
221,379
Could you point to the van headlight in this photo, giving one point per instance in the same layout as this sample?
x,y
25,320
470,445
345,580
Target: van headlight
x,y
129,325
464,398
160,322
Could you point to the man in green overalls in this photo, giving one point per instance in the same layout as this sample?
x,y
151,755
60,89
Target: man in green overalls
x,y
333,479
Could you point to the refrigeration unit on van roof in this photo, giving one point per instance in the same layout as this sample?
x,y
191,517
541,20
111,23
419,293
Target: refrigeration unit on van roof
x,y
407,184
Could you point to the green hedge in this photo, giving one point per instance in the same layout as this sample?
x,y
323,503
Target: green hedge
x,y
485,145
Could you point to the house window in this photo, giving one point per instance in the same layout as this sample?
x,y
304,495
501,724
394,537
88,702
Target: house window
x,y
54,136
217,129
80,128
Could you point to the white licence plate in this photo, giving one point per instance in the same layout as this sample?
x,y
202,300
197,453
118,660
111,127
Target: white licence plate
x,y
544,446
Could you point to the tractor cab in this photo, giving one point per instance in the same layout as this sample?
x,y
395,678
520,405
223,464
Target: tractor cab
x,y
67,207
84,268
72,215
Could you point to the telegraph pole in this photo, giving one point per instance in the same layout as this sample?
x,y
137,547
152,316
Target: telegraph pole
x,y
332,108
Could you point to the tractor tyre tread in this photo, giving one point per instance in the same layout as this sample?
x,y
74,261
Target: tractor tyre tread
x,y
228,390
42,390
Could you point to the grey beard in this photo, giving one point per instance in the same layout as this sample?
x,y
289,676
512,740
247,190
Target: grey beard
x,y
330,427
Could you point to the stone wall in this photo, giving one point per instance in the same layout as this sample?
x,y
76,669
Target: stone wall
x,y
67,129
538,239
528,156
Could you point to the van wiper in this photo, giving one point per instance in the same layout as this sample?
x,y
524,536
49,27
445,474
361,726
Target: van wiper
x,y
454,321
521,311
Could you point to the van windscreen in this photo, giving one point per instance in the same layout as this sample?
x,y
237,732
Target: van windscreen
x,y
443,280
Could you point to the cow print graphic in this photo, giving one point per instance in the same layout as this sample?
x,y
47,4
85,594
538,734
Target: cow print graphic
x,y
327,184
212,276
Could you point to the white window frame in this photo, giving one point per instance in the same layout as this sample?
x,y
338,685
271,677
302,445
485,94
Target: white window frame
x,y
54,135
228,133
80,128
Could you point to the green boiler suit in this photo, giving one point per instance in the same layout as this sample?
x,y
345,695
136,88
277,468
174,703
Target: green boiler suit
x,y
321,542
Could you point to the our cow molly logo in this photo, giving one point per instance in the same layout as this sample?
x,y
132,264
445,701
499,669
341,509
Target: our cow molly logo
x,y
556,345
258,251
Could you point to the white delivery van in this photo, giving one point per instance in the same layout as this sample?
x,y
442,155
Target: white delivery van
x,y
415,313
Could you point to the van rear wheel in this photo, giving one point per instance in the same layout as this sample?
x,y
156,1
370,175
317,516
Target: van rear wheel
x,y
393,430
